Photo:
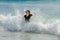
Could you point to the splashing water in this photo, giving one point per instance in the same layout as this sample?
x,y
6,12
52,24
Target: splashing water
x,y
37,24
44,19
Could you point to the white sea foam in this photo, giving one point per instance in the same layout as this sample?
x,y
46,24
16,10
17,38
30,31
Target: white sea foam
x,y
37,24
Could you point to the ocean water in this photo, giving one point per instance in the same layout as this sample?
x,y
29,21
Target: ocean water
x,y
43,25
5,35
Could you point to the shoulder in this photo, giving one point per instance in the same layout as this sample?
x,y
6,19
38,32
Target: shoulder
x,y
30,14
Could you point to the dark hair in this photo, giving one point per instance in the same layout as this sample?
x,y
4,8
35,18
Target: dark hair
x,y
27,11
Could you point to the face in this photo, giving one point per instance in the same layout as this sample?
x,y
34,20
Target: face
x,y
27,13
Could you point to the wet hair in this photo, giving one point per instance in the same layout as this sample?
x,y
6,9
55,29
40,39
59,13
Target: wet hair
x,y
27,11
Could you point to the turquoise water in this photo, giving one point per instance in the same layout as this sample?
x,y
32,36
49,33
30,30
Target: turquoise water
x,y
45,19
44,24
29,0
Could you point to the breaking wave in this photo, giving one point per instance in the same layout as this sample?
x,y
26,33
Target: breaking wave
x,y
38,24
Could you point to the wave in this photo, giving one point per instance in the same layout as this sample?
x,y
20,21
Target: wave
x,y
38,24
